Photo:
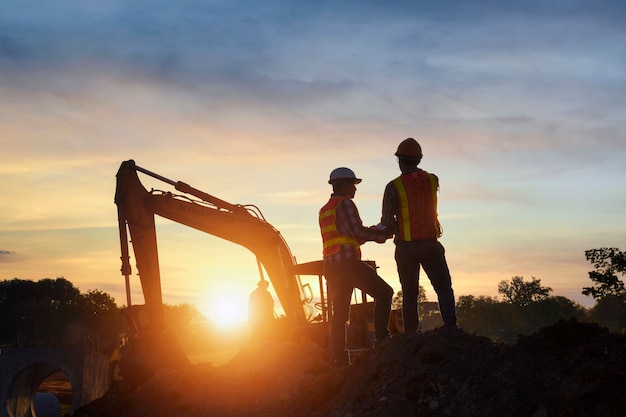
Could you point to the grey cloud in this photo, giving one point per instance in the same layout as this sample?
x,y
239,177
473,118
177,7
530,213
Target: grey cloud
x,y
195,38
401,56
6,255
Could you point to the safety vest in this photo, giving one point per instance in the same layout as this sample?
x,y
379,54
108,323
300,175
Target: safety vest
x,y
331,238
417,206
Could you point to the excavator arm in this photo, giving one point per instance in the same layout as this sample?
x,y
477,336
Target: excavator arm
x,y
242,225
150,345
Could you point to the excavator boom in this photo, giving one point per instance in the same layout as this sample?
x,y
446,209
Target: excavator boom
x,y
242,225
149,344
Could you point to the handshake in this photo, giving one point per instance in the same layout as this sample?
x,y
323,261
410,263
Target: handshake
x,y
383,233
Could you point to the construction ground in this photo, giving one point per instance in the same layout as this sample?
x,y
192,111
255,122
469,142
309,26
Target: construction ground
x,y
566,369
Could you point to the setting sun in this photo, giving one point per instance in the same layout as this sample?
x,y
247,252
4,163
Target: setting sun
x,y
226,312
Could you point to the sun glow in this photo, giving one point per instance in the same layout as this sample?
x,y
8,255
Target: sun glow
x,y
226,312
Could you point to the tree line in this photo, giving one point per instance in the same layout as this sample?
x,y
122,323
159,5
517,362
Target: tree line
x,y
527,305
52,312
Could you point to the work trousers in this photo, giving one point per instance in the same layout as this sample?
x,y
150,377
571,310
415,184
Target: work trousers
x,y
342,277
430,254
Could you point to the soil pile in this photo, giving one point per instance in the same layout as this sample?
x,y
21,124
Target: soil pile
x,y
569,368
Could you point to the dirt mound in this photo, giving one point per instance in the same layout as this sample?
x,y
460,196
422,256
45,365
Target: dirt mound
x,y
569,368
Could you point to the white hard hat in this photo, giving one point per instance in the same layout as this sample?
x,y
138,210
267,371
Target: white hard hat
x,y
343,174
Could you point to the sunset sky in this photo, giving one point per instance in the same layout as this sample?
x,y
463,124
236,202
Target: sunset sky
x,y
520,108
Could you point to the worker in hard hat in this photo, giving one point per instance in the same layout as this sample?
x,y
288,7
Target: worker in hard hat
x,y
410,211
343,234
261,312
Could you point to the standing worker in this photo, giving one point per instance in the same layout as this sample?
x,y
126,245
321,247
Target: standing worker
x,y
410,211
261,312
343,234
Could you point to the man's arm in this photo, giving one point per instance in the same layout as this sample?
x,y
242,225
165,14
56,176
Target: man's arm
x,y
390,209
349,223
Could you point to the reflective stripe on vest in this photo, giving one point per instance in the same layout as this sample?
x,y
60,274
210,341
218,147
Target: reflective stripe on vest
x,y
331,237
417,206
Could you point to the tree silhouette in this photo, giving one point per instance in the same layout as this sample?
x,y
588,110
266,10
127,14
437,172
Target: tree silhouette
x,y
52,312
504,321
100,320
608,262
522,293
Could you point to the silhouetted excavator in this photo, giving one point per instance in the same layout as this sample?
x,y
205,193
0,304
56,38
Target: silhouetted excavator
x,y
150,345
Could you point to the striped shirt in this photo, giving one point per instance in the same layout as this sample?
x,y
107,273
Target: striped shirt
x,y
349,223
